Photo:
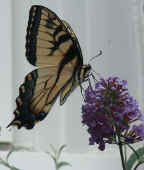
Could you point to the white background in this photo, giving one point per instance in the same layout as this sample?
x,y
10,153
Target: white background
x,y
111,26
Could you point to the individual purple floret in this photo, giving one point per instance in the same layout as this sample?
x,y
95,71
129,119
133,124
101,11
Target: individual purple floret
x,y
139,131
109,106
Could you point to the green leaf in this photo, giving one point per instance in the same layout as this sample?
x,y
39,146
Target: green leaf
x,y
131,161
52,156
62,164
6,163
2,162
133,158
60,151
14,168
53,149
55,155
14,149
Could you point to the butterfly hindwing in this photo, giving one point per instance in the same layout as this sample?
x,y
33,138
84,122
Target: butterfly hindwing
x,y
67,90
38,93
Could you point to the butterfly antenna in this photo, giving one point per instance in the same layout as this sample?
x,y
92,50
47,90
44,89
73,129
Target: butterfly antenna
x,y
99,54
90,85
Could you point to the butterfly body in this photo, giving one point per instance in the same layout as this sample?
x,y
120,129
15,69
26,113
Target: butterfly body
x,y
52,46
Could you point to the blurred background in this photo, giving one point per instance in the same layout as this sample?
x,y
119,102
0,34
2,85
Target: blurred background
x,y
115,27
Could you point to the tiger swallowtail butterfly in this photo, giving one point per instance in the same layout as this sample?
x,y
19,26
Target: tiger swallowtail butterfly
x,y
52,46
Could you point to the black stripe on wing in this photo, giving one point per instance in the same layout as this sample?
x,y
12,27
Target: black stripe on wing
x,y
33,24
67,90
47,37
43,25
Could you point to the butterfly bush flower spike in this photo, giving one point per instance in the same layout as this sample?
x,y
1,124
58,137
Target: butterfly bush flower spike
x,y
110,109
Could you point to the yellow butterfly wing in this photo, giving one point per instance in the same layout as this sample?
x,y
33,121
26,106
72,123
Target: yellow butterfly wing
x,y
53,47
37,95
48,40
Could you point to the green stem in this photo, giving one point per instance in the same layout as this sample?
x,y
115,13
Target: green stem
x,y
120,144
125,155
137,165
121,153
56,165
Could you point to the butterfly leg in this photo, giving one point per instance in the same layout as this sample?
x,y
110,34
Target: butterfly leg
x,y
82,89
92,75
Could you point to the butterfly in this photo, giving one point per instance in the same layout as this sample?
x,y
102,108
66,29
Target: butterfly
x,y
51,46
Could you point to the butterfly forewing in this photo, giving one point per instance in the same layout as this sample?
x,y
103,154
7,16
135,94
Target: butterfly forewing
x,y
48,40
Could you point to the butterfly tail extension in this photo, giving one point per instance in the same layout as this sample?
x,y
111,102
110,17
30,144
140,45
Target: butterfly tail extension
x,y
14,122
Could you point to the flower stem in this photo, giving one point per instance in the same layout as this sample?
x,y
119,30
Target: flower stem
x,y
122,155
125,155
121,152
137,165
120,144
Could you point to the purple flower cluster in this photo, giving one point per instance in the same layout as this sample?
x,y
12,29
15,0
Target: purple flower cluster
x,y
109,106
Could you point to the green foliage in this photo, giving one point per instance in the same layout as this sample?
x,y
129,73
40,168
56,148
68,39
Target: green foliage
x,y
134,158
6,161
55,155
